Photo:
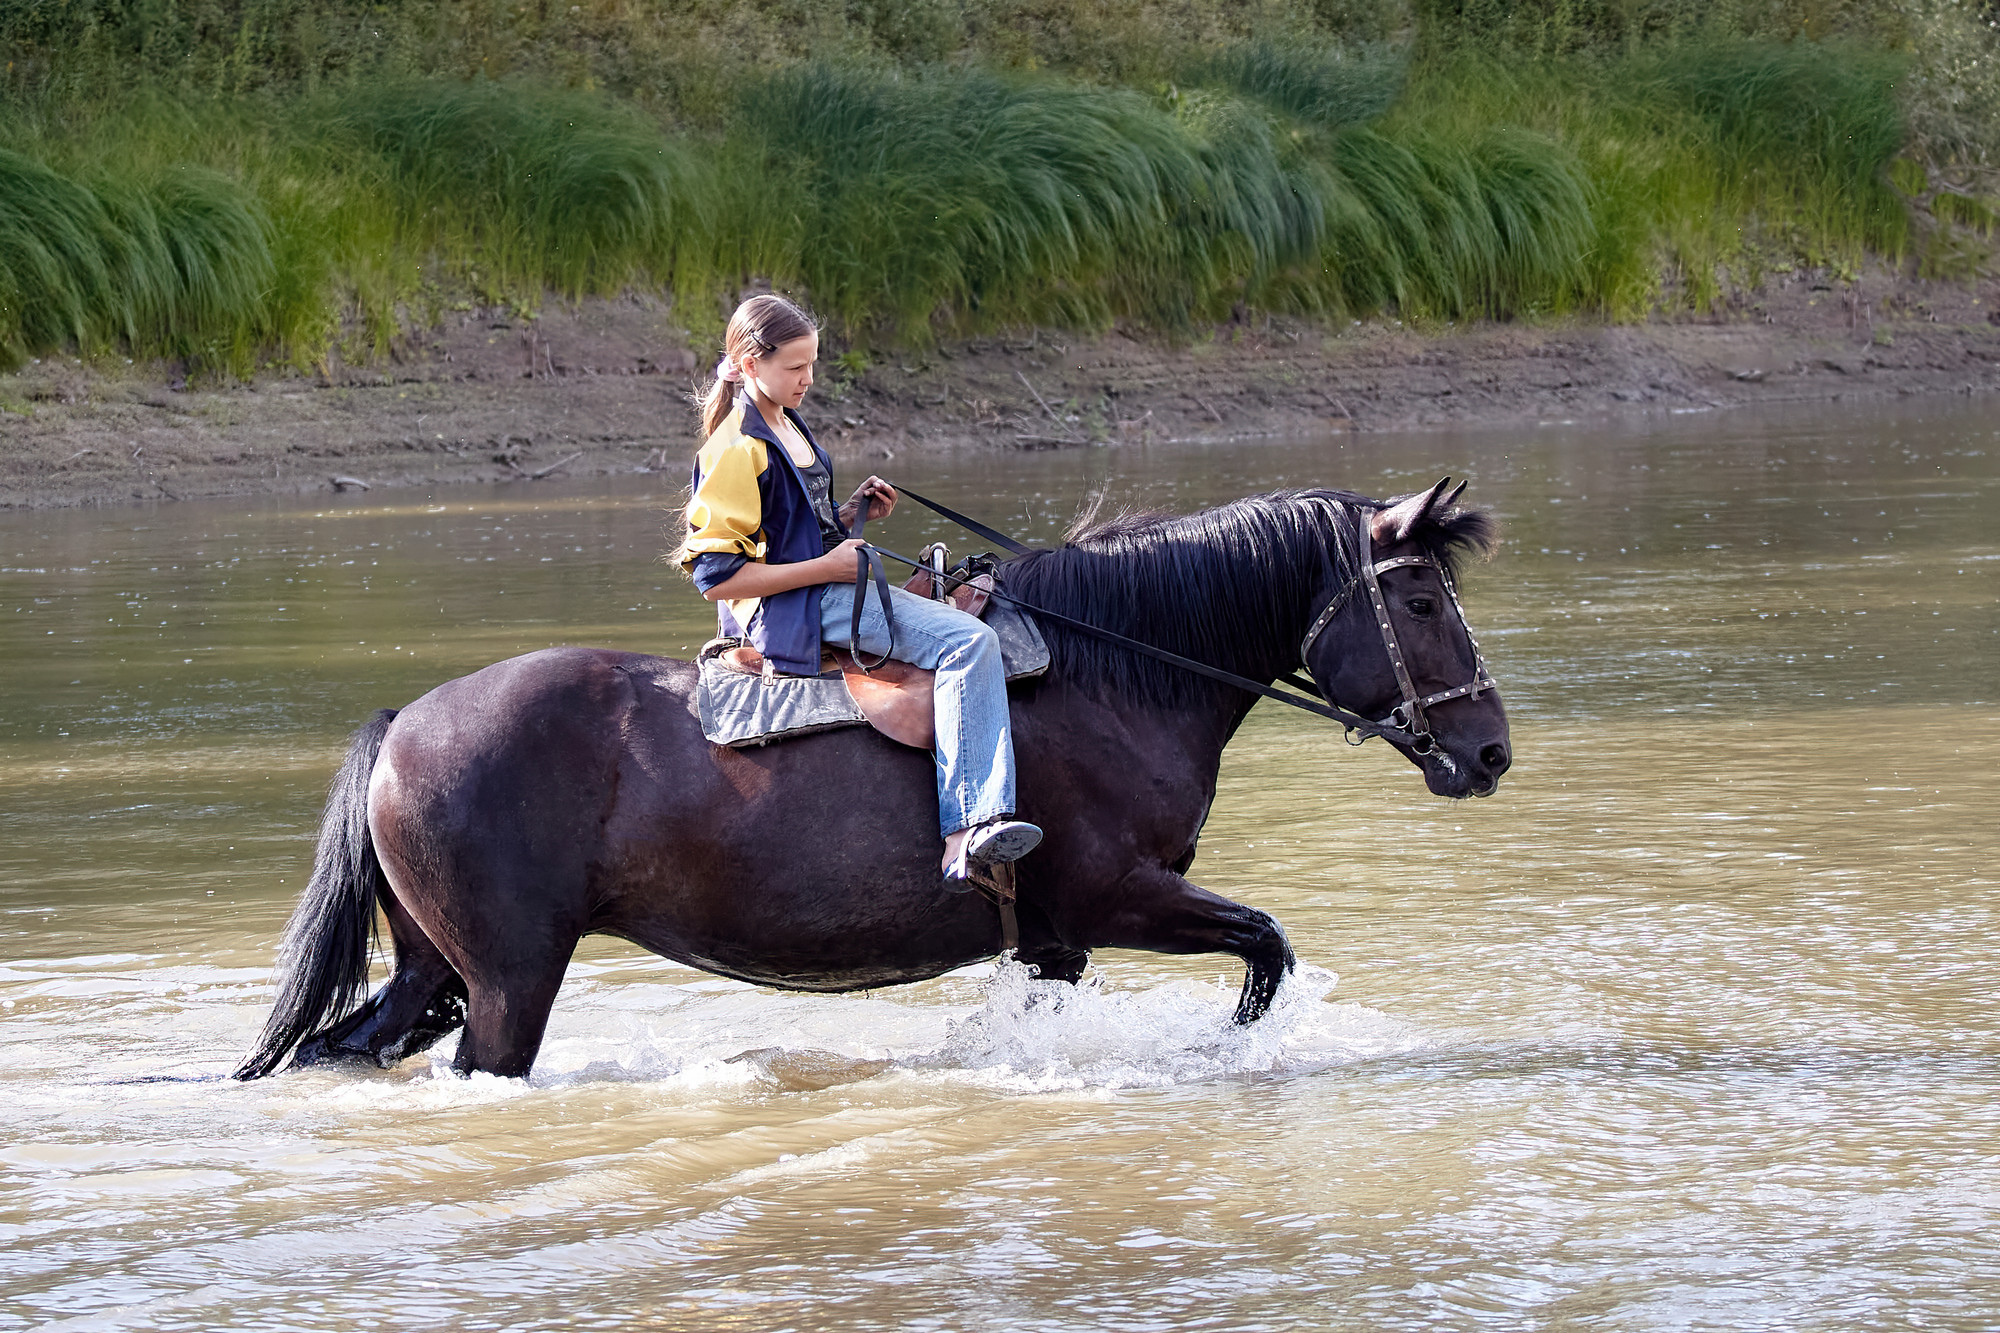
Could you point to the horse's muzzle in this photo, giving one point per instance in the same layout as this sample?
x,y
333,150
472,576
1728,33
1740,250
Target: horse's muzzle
x,y
1458,777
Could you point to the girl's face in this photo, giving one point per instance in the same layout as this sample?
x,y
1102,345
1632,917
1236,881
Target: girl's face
x,y
784,375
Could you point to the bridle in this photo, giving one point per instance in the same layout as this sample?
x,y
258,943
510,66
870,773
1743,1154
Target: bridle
x,y
1408,716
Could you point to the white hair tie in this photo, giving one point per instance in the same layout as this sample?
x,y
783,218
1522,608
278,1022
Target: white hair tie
x,y
727,371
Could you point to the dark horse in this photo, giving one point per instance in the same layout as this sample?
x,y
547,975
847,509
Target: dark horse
x,y
506,814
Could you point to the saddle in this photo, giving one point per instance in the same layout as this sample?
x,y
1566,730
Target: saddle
x,y
895,697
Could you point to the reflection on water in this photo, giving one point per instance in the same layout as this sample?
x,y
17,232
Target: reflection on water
x,y
1691,1026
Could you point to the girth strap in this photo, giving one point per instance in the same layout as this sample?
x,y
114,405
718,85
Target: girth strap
x,y
997,883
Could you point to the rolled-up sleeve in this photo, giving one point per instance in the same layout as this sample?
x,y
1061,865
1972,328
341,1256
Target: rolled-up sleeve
x,y
726,515
712,569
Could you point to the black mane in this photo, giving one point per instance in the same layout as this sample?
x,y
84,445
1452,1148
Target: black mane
x,y
1234,586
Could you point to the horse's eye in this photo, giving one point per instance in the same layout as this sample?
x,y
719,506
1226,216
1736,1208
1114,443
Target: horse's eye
x,y
1421,606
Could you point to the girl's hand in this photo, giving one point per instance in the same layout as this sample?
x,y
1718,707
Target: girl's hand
x,y
877,494
841,563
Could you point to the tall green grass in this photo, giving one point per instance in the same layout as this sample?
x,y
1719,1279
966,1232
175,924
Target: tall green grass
x,y
1448,226
323,192
507,191
548,187
1706,159
282,228
953,200
970,199
1321,86
178,264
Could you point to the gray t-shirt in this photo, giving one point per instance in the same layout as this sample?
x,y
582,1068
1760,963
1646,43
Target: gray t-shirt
x,y
819,488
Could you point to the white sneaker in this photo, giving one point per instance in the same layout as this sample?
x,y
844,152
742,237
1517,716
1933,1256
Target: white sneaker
x,y
995,842
1001,840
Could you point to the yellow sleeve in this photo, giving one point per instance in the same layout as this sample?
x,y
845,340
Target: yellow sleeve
x,y
726,515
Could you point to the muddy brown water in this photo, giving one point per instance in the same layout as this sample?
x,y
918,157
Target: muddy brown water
x,y
1692,1026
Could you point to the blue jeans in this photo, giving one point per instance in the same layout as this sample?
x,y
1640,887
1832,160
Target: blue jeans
x,y
975,744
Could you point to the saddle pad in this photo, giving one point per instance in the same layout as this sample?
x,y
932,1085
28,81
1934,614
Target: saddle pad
x,y
1022,649
738,709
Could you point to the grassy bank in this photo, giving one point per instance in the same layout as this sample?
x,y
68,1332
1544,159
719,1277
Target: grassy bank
x,y
235,182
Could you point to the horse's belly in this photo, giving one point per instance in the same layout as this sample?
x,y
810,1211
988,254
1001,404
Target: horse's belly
x,y
811,864
785,911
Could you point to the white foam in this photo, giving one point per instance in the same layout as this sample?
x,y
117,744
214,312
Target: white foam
x,y
688,1035
1021,1034
1041,1035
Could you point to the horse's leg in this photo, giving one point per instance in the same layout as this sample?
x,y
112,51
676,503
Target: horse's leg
x,y
1042,950
507,1007
503,898
504,1023
1158,911
423,1002
1054,962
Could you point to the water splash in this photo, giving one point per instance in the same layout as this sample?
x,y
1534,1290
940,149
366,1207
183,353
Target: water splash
x,y
1043,1035
1017,1034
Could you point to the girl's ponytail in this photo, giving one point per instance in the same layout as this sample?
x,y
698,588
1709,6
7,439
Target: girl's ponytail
x,y
715,404
760,326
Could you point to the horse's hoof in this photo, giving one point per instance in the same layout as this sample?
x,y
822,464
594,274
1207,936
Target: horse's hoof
x,y
320,1051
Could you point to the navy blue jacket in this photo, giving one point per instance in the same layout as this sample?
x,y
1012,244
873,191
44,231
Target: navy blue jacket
x,y
750,503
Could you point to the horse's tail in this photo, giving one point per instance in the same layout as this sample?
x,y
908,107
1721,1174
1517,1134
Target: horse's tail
x,y
323,963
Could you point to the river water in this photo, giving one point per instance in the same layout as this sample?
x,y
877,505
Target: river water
x,y
1692,1026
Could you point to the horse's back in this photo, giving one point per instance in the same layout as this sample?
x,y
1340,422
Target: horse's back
x,y
544,717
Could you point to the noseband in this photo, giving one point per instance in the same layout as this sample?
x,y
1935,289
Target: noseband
x,y
1407,716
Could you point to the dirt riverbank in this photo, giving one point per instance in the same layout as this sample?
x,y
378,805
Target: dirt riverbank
x,y
602,388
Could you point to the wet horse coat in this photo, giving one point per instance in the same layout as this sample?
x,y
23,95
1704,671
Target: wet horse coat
x,y
508,813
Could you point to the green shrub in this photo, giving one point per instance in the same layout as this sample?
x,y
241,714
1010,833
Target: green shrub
x,y
229,180
1320,86
176,265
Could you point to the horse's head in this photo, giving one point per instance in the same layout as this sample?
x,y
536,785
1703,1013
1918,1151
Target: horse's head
x,y
1397,647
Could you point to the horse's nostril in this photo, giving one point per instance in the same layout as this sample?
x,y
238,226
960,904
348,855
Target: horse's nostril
x,y
1494,757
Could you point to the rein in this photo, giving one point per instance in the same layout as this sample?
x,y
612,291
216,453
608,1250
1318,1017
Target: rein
x,y
1405,725
868,563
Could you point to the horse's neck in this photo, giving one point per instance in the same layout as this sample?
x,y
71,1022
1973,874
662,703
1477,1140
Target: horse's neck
x,y
1263,655
1262,662
1145,733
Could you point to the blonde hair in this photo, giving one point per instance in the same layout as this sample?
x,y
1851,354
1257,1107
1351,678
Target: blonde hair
x,y
760,326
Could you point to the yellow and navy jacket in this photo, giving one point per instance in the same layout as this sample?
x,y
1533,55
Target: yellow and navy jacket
x,y
751,504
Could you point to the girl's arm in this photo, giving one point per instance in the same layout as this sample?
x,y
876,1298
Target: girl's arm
x,y
757,579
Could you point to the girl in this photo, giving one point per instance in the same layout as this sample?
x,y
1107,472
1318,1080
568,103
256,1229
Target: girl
x,y
767,546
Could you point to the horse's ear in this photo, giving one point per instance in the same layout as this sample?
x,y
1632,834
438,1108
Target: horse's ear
x,y
1400,519
1452,499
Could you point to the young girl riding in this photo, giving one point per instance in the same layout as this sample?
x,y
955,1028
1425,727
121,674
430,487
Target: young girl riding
x,y
767,546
